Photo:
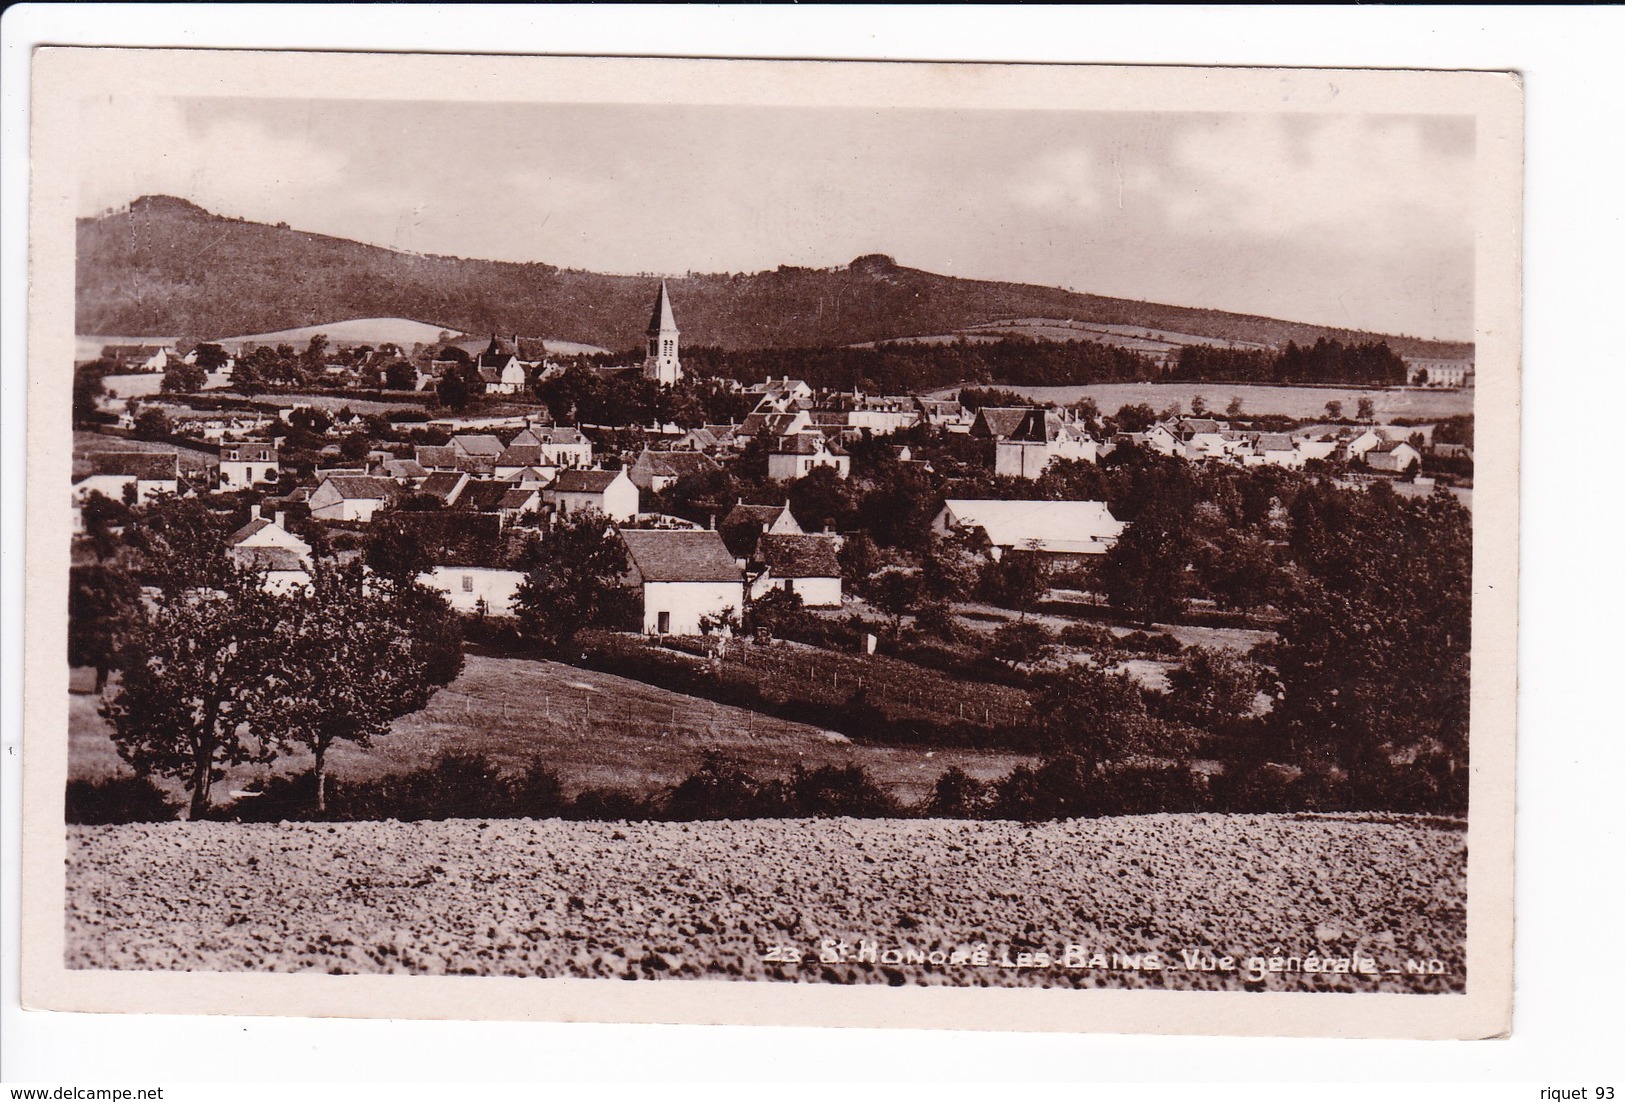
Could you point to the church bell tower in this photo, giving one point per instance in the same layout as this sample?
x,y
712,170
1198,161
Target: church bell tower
x,y
661,363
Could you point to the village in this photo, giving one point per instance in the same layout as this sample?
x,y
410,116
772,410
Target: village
x,y
526,471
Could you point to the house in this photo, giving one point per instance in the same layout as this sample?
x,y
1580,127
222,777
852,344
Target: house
x,y
1158,438
488,590
247,464
1063,531
1438,372
1272,449
139,475
559,446
805,565
448,486
655,470
682,576
436,457
352,497
133,358
501,371
780,390
943,412
1392,455
266,546
611,493
772,423
518,501
1040,439
998,422
745,524
796,456
404,470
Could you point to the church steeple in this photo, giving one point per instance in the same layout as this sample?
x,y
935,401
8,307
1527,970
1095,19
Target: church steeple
x,y
661,363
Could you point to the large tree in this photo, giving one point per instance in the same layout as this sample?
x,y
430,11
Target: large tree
x,y
352,664
198,668
103,604
572,580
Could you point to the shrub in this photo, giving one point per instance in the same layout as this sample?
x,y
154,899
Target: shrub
x,y
1022,643
722,789
1147,643
608,805
834,790
1063,786
120,799
537,793
1091,636
958,795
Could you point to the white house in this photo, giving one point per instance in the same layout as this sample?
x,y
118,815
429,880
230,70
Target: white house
x,y
247,464
267,546
1039,439
142,474
805,565
351,497
655,470
796,456
558,446
611,493
682,576
476,588
1392,455
1062,530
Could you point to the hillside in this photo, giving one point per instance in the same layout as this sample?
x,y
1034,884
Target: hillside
x,y
168,266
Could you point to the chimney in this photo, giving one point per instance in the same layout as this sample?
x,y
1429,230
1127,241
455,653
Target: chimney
x,y
281,519
712,526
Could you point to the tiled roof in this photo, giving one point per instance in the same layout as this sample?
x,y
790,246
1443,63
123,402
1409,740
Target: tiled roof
x,y
584,482
799,556
404,468
436,455
516,499
999,422
477,444
253,527
520,455
1058,526
143,466
268,558
806,443
674,556
360,487
442,484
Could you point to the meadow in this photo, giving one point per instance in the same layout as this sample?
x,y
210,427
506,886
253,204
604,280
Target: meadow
x,y
594,729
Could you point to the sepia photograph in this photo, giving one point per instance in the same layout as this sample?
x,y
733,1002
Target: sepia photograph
x,y
774,526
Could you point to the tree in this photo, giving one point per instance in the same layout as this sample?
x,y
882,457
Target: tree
x,y
950,568
152,423
572,580
1021,643
1198,406
1334,410
88,389
103,603
350,665
1134,418
895,592
1233,410
200,665
1214,689
182,545
1365,410
181,377
1019,581
1098,715
1144,573
400,375
211,357
459,386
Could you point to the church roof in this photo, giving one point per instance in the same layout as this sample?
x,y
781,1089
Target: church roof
x,y
662,320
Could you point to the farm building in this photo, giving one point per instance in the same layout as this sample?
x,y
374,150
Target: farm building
x,y
1392,455
608,492
1061,530
655,470
804,565
682,576
351,497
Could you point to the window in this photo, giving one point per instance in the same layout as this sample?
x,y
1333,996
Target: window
x,y
663,623
468,583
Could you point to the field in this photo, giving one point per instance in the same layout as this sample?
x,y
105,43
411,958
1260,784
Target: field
x,y
712,900
1303,402
594,729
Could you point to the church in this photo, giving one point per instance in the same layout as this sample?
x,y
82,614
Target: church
x,y
661,363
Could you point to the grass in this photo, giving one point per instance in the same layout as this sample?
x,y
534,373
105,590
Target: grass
x,y
191,459
593,729
1304,402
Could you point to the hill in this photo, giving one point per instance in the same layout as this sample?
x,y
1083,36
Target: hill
x,y
168,266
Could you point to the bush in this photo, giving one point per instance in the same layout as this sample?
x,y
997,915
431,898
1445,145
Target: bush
x,y
722,789
608,805
1022,643
1146,643
1090,636
833,790
121,799
1063,786
958,795
537,793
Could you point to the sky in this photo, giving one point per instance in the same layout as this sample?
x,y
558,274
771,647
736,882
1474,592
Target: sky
x,y
1361,221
